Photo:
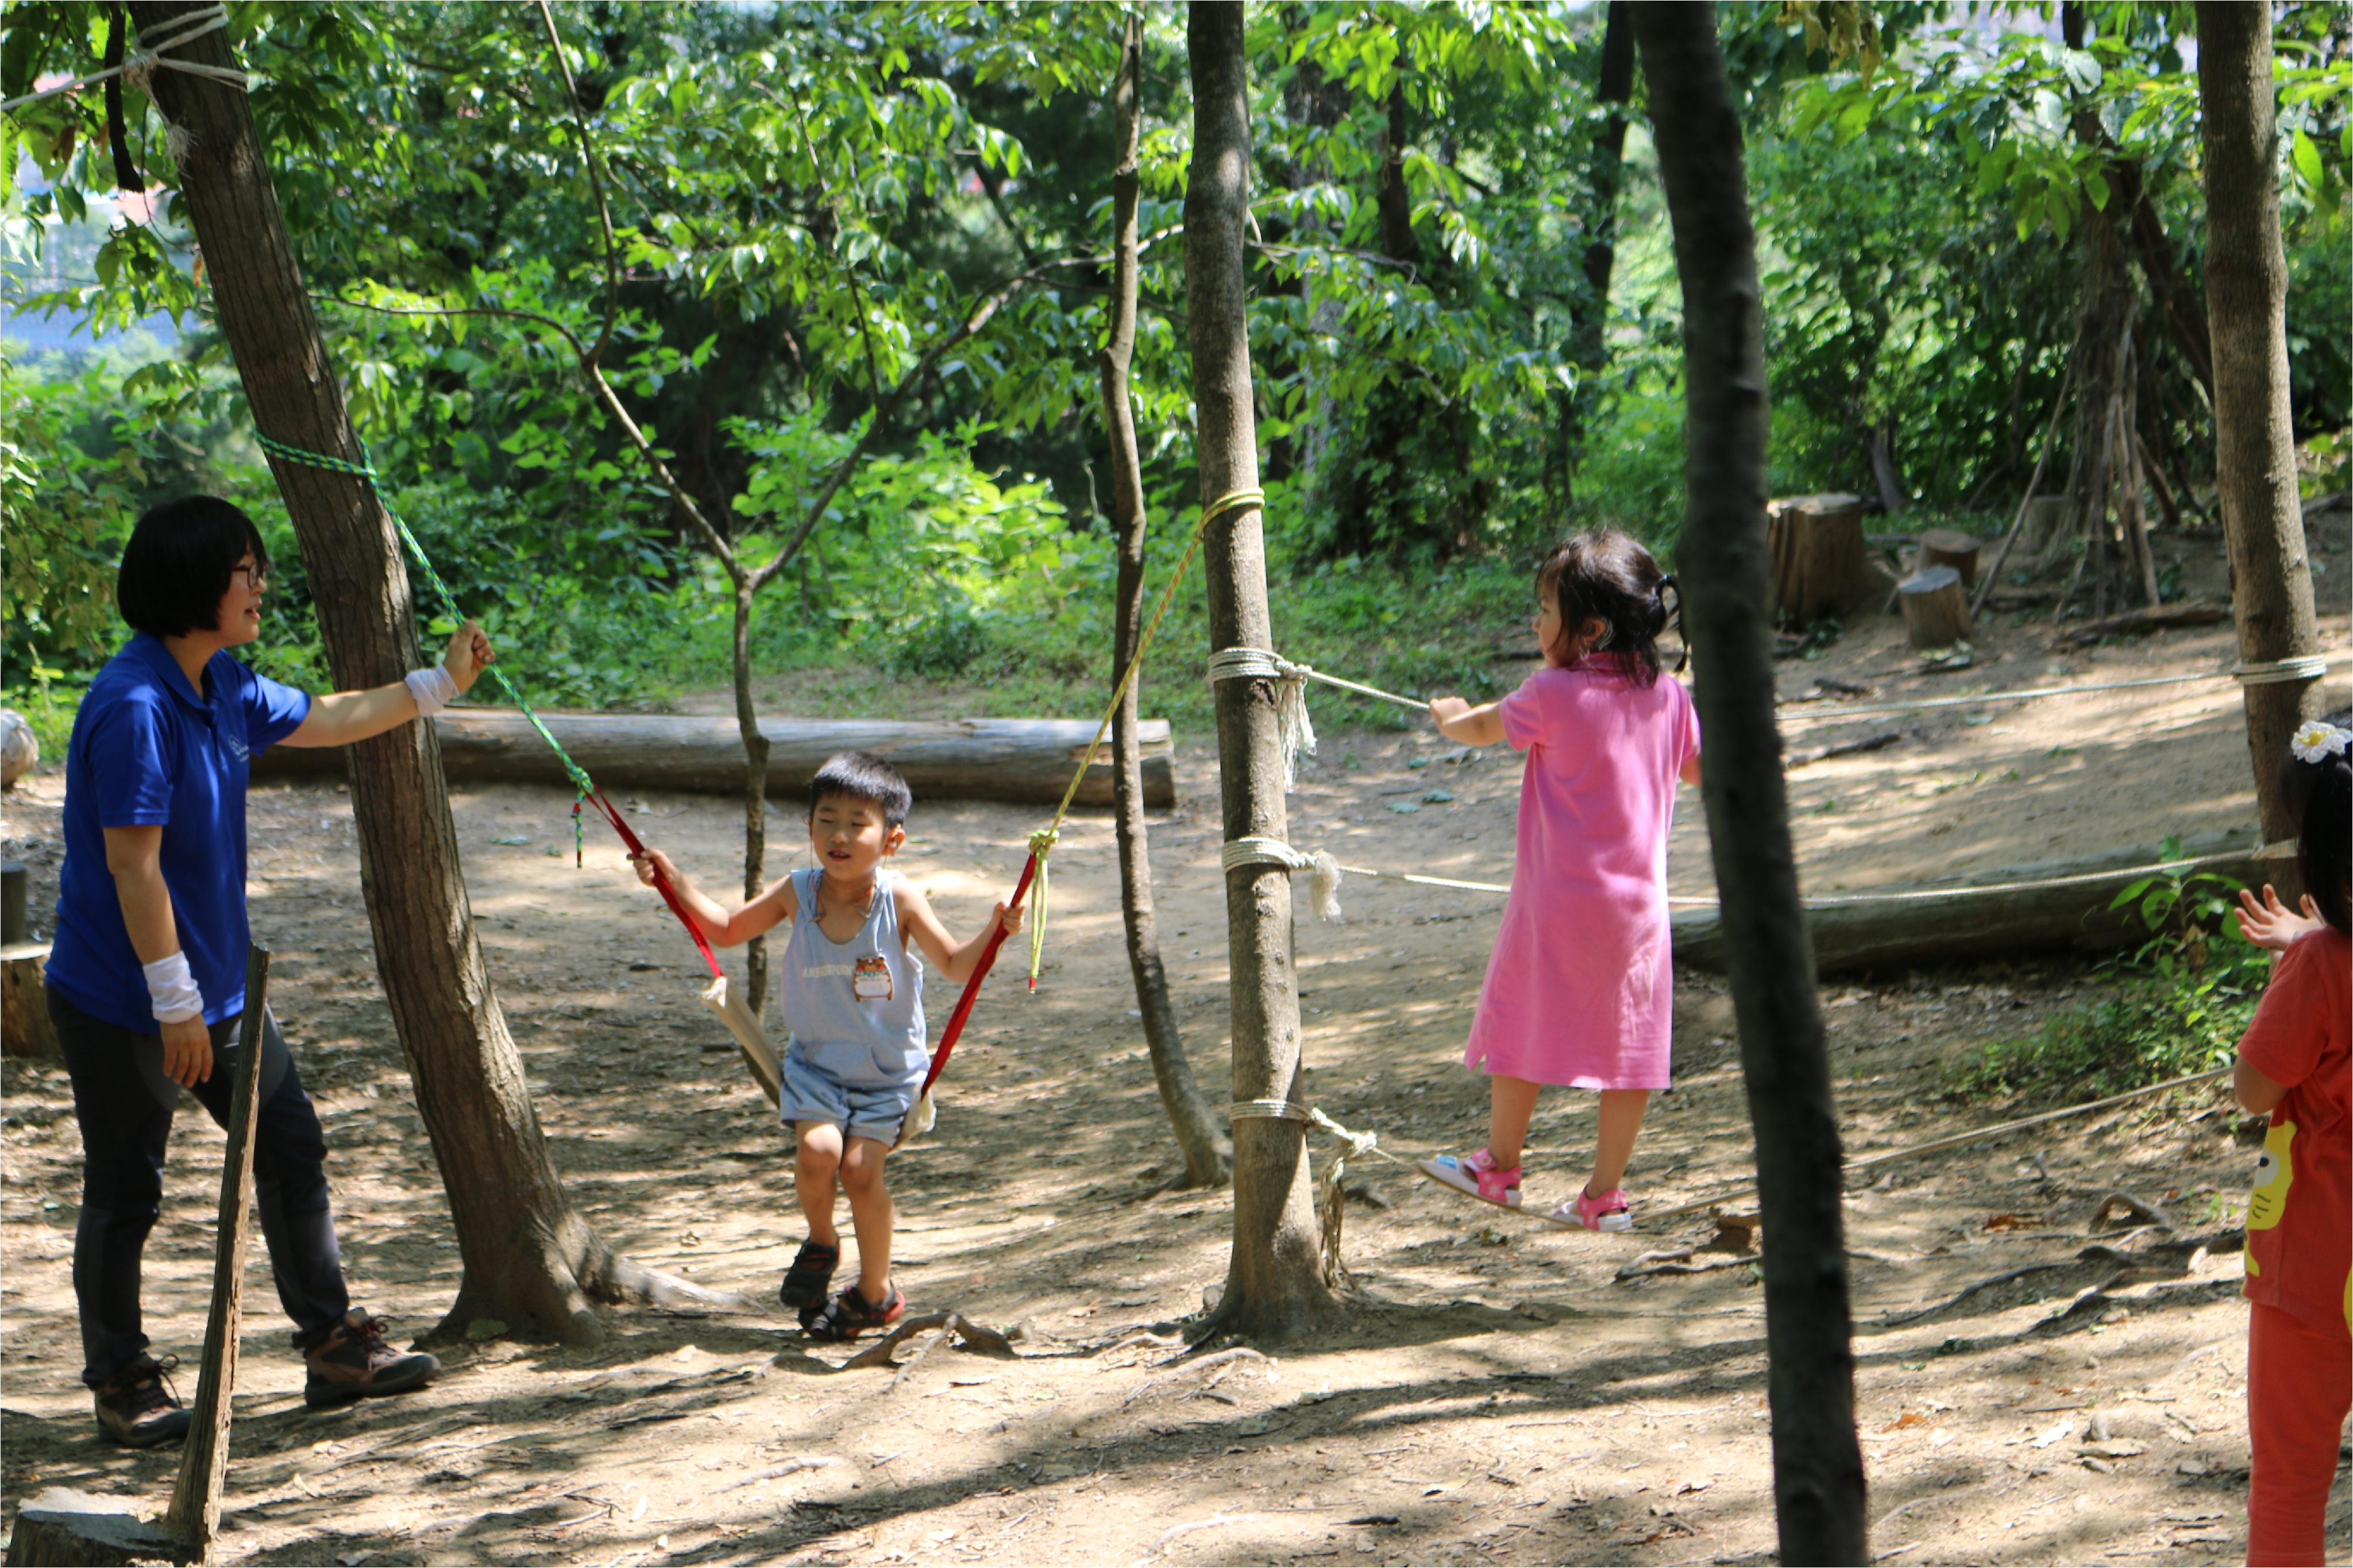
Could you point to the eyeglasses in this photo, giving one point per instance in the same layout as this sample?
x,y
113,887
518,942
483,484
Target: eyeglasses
x,y
257,578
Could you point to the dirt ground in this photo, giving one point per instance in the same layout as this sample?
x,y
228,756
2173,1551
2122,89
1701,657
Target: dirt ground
x,y
1498,1396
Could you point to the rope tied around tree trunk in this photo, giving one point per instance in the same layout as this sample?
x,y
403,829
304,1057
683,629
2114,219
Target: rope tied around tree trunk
x,y
2279,671
1269,1110
138,69
1291,677
1237,853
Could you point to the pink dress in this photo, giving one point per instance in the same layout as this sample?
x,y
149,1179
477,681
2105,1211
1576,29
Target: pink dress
x,y
1580,991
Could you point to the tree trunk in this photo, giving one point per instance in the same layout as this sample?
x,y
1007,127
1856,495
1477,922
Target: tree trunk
x,y
1275,1285
1588,315
1208,1156
756,796
2246,305
1817,1460
531,1261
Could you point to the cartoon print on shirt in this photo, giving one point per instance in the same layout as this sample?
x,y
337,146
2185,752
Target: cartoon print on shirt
x,y
871,981
2273,1174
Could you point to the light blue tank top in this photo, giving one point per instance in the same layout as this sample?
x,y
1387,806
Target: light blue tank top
x,y
855,1008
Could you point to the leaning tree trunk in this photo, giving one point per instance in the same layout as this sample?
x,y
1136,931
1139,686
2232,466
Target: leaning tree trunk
x,y
1274,1286
1208,1155
2246,306
531,1261
1817,1460
755,793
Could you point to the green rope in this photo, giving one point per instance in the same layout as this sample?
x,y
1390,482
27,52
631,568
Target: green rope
x,y
583,787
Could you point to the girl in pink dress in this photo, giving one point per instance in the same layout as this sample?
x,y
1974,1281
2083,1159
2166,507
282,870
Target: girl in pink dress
x,y
1579,991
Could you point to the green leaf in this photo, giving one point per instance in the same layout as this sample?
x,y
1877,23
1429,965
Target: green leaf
x,y
2308,161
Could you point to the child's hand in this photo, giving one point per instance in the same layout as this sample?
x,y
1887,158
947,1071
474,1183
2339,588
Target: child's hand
x,y
469,653
654,860
2269,924
1443,710
1008,920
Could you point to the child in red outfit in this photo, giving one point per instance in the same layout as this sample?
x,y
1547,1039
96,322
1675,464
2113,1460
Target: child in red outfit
x,y
2297,1062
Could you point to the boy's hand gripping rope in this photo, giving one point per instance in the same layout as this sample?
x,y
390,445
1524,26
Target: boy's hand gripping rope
x,y
585,789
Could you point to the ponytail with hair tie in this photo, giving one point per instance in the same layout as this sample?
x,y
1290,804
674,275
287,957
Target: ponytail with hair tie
x,y
1673,617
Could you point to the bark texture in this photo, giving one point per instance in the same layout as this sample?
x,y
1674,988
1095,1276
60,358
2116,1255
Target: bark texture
x,y
1818,1480
1208,1156
1274,1286
530,1259
2254,464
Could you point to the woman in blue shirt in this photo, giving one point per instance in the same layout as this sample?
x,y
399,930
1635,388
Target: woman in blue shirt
x,y
146,976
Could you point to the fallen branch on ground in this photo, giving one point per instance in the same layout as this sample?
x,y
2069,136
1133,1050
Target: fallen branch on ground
x,y
777,1472
1799,758
2148,618
969,1335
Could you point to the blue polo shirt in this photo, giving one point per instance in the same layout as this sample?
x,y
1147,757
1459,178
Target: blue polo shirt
x,y
149,748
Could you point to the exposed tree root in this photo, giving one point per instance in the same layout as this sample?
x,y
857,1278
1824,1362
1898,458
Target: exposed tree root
x,y
968,1334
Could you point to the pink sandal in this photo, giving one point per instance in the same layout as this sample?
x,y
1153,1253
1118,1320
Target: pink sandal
x,y
1610,1211
1477,1175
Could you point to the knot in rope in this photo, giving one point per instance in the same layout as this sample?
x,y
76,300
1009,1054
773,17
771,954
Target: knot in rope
x,y
1326,888
1041,845
1359,1143
153,51
2276,671
1295,728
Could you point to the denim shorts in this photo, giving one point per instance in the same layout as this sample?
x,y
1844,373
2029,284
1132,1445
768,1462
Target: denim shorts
x,y
847,1086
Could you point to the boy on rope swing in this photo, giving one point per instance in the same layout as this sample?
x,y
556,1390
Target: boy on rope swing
x,y
849,984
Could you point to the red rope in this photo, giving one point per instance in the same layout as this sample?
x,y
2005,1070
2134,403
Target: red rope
x,y
612,814
980,972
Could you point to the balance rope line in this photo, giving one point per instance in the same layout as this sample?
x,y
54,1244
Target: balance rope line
x,y
1041,843
153,52
585,789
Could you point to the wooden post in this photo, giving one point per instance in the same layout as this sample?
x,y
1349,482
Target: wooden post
x,y
1274,1284
2246,309
1936,611
194,1513
1209,1157
530,1257
1818,1480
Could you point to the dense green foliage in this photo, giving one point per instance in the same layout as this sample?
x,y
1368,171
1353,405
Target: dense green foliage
x,y
2180,1003
810,203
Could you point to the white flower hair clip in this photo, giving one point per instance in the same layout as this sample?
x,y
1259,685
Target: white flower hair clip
x,y
2315,742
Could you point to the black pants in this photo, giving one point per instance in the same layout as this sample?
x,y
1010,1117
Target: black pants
x,y
124,1104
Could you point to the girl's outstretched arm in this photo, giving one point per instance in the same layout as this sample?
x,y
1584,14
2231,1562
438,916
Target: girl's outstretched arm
x,y
1458,720
722,927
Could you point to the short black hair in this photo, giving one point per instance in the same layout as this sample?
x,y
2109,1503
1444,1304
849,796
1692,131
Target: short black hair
x,y
862,775
178,563
2320,796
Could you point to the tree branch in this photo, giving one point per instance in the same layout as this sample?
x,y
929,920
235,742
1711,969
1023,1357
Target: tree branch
x,y
596,185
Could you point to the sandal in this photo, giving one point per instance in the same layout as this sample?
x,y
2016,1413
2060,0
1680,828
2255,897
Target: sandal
x,y
810,1278
849,1314
1477,1175
1609,1211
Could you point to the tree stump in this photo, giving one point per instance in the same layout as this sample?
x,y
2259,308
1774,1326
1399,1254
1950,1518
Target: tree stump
x,y
1950,547
1935,610
1817,555
2049,522
19,748
25,1027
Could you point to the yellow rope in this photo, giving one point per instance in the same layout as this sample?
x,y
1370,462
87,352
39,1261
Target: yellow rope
x,y
1043,842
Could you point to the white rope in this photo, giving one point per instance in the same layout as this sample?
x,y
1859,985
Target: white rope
x,y
1325,888
1296,731
150,54
2273,672
1268,1109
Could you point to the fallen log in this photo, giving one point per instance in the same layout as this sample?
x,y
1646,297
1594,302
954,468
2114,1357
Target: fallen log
x,y
1027,760
2148,618
2054,907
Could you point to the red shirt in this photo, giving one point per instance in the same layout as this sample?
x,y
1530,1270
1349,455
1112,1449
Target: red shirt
x,y
2300,1215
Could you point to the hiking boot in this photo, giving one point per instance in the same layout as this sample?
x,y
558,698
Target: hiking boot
x,y
354,1363
849,1314
810,1279
136,1406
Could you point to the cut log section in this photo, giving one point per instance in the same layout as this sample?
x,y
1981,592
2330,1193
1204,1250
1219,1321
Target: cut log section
x,y
1818,556
1951,547
1935,610
1027,760
2055,907
25,1027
